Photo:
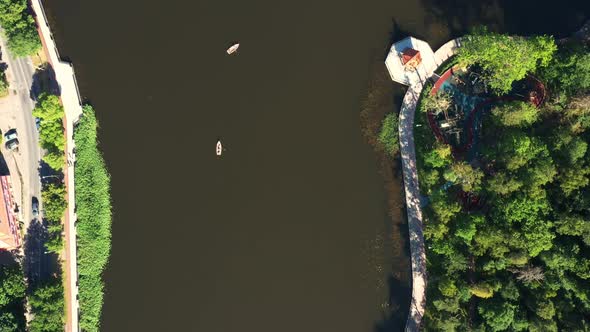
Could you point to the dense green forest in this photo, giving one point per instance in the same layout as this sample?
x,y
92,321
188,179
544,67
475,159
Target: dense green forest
x,y
508,230
19,27
94,219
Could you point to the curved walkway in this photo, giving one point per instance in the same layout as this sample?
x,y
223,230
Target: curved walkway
x,y
408,155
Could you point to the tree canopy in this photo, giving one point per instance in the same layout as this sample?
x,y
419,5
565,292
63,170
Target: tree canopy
x,y
516,113
506,228
505,59
51,131
47,306
19,27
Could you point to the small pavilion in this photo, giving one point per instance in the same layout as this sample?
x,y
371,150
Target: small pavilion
x,y
410,61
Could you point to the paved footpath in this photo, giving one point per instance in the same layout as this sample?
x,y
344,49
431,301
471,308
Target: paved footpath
x,y
412,189
70,98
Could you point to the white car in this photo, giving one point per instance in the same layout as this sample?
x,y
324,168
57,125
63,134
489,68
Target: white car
x,y
12,144
10,135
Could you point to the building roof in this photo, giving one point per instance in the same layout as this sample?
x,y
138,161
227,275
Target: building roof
x,y
9,233
410,54
414,52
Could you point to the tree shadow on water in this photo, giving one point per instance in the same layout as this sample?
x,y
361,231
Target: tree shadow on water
x,y
522,17
396,34
395,313
394,316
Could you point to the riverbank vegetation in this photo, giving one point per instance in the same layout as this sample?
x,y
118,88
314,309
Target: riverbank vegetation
x,y
19,27
93,204
508,241
389,136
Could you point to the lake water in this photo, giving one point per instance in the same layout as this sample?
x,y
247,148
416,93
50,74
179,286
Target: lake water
x,y
298,227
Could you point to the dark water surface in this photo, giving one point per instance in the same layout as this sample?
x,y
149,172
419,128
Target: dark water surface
x,y
290,230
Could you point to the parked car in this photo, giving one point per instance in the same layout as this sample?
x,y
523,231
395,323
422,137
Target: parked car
x,y
10,135
12,144
35,207
37,123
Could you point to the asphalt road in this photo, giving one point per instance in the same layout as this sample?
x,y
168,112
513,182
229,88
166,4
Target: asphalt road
x,y
23,90
28,136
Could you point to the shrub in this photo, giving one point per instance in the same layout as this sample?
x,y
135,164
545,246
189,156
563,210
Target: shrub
x,y
389,136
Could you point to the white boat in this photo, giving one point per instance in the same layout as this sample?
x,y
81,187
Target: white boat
x,y
233,49
218,148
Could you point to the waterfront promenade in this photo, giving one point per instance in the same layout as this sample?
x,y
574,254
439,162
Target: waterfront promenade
x,y
70,98
412,189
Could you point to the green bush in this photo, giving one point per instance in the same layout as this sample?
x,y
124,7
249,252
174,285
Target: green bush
x,y
389,136
447,64
93,205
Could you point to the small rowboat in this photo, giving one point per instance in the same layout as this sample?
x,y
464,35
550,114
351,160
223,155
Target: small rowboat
x,y
218,148
233,49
